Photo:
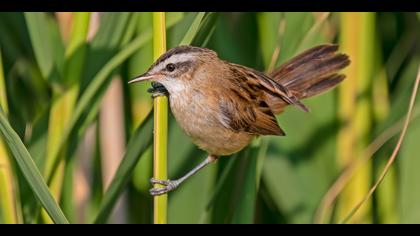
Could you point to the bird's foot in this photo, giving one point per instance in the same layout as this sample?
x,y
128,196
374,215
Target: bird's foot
x,y
169,185
157,90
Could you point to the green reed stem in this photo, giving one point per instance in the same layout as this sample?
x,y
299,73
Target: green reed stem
x,y
357,40
63,105
160,123
9,206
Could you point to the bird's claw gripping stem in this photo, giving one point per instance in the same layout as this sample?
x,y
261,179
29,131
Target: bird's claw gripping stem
x,y
169,185
157,90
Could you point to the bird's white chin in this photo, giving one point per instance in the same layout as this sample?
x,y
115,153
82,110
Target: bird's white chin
x,y
175,87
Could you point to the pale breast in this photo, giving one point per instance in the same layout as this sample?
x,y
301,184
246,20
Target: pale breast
x,y
200,120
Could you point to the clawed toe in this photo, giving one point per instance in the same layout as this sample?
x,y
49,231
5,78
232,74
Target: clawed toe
x,y
157,90
161,182
159,191
169,186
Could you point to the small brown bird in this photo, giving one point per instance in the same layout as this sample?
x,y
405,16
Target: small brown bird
x,y
222,106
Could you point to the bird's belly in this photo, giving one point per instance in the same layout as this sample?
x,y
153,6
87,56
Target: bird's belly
x,y
201,123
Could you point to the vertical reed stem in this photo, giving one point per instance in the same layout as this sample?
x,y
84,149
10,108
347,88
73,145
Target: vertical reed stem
x,y
63,105
9,206
386,194
160,123
357,40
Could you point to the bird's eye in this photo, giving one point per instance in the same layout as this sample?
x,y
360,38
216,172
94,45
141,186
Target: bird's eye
x,y
170,67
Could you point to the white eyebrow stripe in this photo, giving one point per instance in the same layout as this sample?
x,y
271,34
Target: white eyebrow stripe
x,y
177,58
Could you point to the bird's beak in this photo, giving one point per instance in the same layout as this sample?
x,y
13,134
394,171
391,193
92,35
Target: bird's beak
x,y
146,77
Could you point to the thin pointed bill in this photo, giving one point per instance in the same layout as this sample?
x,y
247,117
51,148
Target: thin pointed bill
x,y
145,77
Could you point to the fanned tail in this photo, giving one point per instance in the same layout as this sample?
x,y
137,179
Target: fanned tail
x,y
312,72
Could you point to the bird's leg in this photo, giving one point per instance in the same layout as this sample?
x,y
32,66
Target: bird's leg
x,y
170,185
157,90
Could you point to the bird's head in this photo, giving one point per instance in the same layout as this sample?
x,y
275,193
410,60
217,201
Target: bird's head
x,y
175,69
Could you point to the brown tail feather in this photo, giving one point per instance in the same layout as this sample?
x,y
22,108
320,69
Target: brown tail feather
x,y
310,73
322,86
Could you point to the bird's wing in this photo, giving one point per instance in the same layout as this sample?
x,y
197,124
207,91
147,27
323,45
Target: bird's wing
x,y
262,82
242,109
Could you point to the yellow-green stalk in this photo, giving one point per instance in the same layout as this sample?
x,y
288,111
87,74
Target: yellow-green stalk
x,y
387,191
64,101
9,206
160,123
357,40
60,115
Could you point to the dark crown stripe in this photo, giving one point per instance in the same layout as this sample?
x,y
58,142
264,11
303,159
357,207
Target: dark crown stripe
x,y
178,50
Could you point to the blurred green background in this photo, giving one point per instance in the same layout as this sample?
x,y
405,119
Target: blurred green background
x,y
63,86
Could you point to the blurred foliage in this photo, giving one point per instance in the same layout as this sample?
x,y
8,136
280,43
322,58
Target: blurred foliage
x,y
274,180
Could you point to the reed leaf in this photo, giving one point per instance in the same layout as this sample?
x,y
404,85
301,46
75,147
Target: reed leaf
x,y
46,44
192,31
30,171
